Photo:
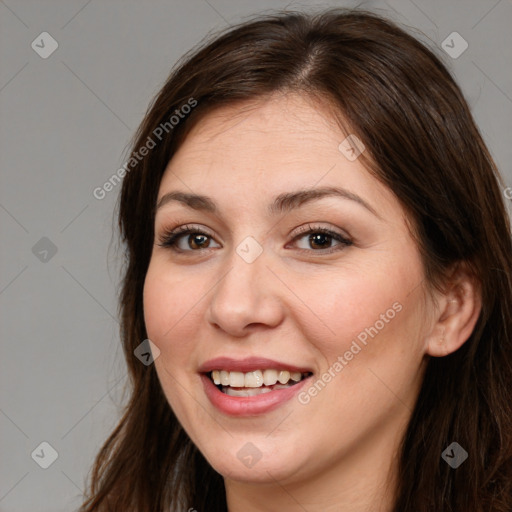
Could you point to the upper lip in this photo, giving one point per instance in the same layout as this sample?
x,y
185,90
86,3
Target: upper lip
x,y
248,364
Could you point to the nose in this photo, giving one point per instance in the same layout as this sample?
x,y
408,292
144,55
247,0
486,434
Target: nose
x,y
247,297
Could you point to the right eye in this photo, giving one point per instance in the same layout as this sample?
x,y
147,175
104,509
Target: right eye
x,y
197,239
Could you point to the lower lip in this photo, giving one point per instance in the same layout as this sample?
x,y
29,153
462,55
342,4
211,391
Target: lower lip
x,y
249,405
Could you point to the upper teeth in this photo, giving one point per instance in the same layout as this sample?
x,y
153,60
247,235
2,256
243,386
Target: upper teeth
x,y
254,379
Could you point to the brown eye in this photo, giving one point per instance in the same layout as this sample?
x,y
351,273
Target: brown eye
x,y
186,239
198,241
321,240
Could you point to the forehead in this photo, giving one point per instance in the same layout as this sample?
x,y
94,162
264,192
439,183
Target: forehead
x,y
266,147
277,137
277,122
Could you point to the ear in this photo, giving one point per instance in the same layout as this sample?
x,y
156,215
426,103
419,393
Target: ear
x,y
457,313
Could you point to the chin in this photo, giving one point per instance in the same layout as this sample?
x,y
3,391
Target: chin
x,y
255,465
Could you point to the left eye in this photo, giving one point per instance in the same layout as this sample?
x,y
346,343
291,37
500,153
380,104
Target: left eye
x,y
323,238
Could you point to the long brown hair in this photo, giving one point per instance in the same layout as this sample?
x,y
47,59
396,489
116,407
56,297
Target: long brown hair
x,y
402,103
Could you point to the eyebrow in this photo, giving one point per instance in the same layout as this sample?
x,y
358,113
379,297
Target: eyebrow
x,y
282,203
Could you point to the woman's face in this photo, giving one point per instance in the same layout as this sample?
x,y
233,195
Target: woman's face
x,y
256,288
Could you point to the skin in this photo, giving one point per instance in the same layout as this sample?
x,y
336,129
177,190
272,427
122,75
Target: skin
x,y
295,303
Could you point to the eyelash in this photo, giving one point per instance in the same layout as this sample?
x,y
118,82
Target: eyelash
x,y
169,238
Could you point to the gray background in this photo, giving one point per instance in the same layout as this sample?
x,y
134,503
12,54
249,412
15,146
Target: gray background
x,y
65,123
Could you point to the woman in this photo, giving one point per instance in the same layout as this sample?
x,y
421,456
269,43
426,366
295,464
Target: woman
x,y
318,250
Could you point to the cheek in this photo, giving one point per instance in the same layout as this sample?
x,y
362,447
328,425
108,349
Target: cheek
x,y
373,353
169,316
170,312
366,314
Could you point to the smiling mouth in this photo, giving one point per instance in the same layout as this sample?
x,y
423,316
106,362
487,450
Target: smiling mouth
x,y
256,382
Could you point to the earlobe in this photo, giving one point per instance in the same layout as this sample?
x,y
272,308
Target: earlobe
x,y
459,309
